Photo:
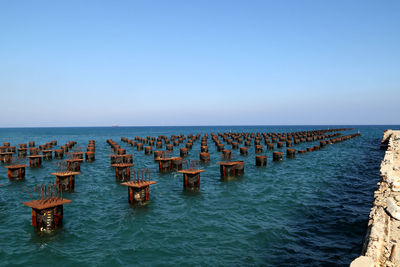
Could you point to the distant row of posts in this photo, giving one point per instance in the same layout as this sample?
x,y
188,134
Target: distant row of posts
x,y
47,209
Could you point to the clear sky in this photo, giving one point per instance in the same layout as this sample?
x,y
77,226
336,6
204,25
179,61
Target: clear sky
x,y
101,63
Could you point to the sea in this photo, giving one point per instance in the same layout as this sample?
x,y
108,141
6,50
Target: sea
x,y
311,210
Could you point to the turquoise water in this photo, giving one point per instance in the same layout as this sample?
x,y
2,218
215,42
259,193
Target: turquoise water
x,y
308,211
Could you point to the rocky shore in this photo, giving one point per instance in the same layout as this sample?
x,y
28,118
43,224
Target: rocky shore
x,y
381,246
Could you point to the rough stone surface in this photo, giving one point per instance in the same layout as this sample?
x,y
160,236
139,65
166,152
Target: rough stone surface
x,y
362,261
393,209
383,233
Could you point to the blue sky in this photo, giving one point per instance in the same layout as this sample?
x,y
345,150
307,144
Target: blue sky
x,y
100,63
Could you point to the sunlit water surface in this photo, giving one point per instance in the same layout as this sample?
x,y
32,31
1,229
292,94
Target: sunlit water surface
x,y
308,211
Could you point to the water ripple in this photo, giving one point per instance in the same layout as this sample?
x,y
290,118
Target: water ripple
x,y
307,211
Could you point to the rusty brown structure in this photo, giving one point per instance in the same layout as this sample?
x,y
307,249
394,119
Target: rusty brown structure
x,y
139,188
47,154
90,156
270,146
77,155
121,151
47,211
35,161
116,159
159,145
191,179
176,163
191,175
165,164
59,153
65,181
22,152
205,157
158,154
16,172
127,158
261,160
259,149
148,150
74,165
122,171
291,153
6,157
23,145
139,146
277,156
184,152
220,147
226,154
239,167
227,169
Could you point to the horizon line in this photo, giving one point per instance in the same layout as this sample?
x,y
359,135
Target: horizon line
x,y
211,125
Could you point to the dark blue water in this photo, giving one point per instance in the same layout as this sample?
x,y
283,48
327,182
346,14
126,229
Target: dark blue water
x,y
308,211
